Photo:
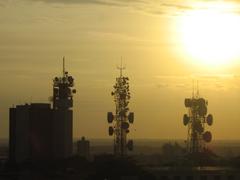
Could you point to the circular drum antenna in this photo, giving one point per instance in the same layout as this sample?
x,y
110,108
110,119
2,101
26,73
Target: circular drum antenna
x,y
74,91
110,117
186,119
207,136
209,119
70,79
110,131
56,79
131,117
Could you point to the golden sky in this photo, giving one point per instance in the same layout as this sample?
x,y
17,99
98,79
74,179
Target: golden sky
x,y
161,43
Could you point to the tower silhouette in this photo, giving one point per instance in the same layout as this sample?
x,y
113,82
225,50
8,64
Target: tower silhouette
x,y
122,117
195,120
63,90
38,131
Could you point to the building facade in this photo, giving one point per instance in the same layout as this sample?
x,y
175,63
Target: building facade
x,y
38,131
83,148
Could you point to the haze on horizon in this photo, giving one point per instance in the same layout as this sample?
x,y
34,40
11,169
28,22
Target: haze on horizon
x,y
94,34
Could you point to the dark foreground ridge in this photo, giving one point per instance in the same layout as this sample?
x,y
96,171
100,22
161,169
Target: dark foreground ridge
x,y
109,167
103,167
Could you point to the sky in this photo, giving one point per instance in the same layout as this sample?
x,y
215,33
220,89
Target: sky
x,y
156,40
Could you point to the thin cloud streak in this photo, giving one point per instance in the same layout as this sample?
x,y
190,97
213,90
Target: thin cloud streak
x,y
150,7
87,2
214,82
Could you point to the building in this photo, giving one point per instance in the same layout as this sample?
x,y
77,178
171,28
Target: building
x,y
83,148
38,131
30,132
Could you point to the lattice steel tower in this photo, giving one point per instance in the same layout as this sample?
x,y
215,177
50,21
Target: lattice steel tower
x,y
122,116
196,119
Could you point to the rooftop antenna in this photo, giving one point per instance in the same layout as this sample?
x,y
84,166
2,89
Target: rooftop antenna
x,y
121,68
63,90
193,88
197,89
63,65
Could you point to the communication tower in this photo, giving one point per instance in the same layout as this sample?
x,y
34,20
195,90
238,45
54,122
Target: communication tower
x,y
63,90
196,120
122,117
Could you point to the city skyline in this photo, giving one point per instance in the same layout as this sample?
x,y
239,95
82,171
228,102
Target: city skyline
x,y
94,35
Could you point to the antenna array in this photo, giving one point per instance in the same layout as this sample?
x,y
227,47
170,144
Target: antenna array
x,y
196,119
122,117
63,90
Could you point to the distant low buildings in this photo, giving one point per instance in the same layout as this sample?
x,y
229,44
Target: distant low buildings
x,y
83,148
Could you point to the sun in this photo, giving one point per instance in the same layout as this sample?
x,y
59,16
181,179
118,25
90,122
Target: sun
x,y
211,35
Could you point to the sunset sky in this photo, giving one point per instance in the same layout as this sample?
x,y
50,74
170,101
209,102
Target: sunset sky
x,y
165,45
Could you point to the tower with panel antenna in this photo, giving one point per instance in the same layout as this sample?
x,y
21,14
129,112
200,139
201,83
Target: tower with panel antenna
x,y
63,90
38,131
196,120
122,117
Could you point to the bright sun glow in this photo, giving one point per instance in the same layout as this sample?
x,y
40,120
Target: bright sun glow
x,y
211,35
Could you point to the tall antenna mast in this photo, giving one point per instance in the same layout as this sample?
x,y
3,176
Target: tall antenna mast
x,y
63,65
197,89
193,88
121,68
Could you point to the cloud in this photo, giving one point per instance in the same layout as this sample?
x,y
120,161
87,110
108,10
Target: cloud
x,y
162,85
198,76
111,36
153,7
213,76
147,6
181,85
205,81
2,4
121,37
150,7
172,77
178,6
97,2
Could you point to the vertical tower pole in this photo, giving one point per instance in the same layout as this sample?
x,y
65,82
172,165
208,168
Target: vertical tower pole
x,y
63,66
